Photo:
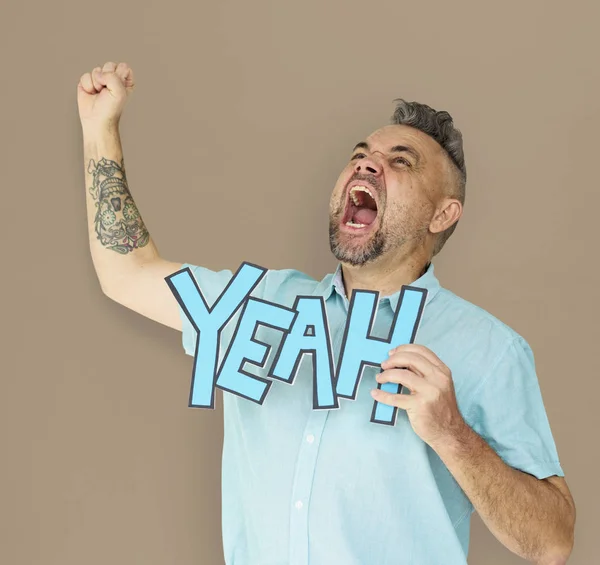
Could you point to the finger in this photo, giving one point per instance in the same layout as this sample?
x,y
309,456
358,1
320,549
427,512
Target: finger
x,y
435,375
95,72
413,361
111,81
403,401
125,73
85,82
419,349
404,377
109,67
425,352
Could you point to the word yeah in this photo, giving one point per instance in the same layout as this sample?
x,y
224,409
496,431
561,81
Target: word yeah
x,y
305,332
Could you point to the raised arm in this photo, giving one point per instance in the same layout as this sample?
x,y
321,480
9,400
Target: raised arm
x,y
126,259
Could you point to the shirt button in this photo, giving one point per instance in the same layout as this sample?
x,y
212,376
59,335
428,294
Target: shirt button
x,y
310,438
298,504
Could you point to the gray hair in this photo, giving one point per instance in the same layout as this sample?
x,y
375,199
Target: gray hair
x,y
439,126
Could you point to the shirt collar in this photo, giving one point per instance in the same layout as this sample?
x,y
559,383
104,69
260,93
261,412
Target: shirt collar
x,y
334,282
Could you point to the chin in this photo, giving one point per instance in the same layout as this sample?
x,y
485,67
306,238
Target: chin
x,y
355,251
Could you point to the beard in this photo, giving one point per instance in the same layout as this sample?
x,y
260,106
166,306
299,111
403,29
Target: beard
x,y
350,253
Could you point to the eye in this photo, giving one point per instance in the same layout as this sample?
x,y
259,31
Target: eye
x,y
402,160
356,156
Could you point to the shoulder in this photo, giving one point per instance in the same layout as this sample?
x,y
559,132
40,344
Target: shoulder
x,y
481,337
473,318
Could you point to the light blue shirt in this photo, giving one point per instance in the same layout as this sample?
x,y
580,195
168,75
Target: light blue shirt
x,y
328,487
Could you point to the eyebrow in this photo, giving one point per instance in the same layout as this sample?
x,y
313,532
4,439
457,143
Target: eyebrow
x,y
395,149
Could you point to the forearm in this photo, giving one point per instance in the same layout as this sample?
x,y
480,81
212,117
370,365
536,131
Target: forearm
x,y
527,515
119,239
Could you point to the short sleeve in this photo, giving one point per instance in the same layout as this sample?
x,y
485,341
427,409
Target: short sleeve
x,y
508,412
212,284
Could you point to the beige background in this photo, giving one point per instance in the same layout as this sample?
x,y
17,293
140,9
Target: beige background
x,y
243,116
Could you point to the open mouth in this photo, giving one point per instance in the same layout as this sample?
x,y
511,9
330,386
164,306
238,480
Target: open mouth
x,y
361,208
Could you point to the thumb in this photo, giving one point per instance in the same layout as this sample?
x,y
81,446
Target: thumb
x,y
111,81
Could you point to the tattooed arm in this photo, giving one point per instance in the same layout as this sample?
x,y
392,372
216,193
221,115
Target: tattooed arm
x,y
126,259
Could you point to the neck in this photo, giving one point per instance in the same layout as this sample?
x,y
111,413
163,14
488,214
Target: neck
x,y
387,279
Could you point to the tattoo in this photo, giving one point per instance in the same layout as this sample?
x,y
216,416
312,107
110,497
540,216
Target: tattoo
x,y
118,223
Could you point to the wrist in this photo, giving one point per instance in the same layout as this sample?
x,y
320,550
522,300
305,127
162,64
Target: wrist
x,y
457,441
99,128
101,137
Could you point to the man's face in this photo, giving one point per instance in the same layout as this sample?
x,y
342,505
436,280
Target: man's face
x,y
387,195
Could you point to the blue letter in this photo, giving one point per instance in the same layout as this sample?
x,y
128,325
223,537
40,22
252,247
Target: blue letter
x,y
246,348
360,348
209,322
309,334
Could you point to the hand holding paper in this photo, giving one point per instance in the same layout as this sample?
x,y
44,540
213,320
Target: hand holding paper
x,y
431,407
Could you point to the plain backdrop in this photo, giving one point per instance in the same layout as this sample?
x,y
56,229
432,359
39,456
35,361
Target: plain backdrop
x,y
243,115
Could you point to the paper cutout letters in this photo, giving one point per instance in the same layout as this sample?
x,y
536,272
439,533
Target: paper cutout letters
x,y
305,331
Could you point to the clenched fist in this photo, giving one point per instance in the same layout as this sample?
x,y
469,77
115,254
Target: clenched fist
x,y
101,94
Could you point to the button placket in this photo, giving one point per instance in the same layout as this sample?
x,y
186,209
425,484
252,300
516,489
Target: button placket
x,y
303,481
302,487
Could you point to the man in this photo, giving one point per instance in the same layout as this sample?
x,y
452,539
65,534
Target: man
x,y
328,486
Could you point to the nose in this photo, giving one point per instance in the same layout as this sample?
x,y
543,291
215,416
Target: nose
x,y
368,165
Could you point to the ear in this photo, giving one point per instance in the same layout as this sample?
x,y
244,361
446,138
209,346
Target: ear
x,y
448,213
